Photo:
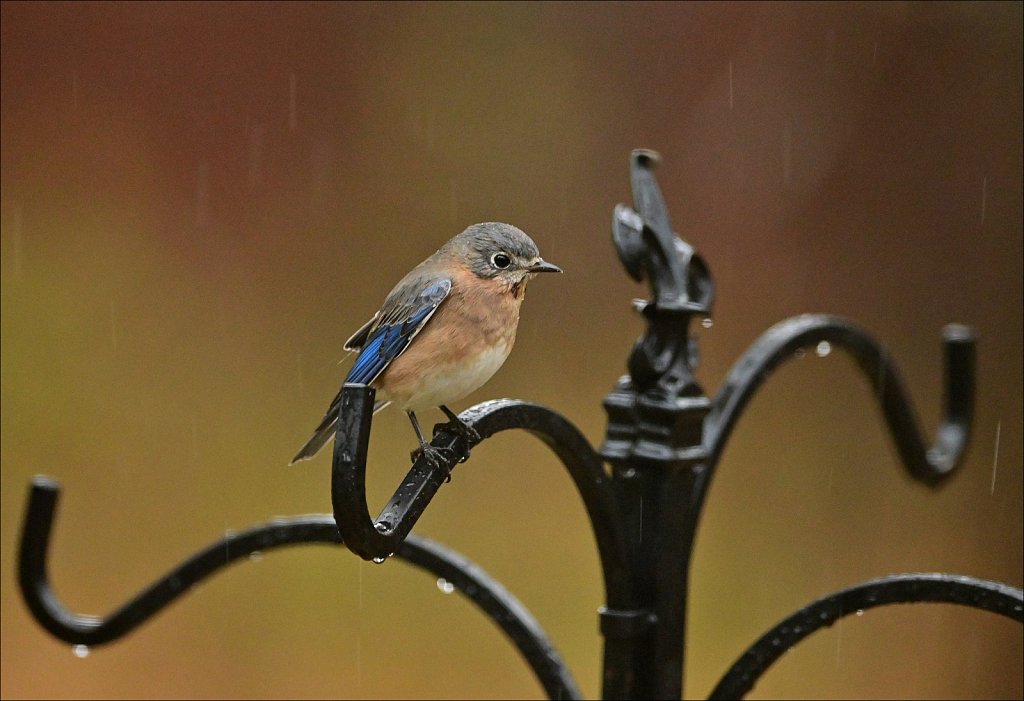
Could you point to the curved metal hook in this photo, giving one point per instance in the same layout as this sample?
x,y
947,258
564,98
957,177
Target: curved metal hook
x,y
95,630
783,340
894,589
501,607
377,539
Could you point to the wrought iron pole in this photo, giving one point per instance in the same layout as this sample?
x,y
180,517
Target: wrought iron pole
x,y
655,436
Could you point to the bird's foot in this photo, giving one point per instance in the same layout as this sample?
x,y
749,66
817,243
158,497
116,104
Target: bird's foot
x,y
457,426
468,433
436,457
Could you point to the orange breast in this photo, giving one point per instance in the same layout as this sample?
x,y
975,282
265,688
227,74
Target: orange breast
x,y
461,347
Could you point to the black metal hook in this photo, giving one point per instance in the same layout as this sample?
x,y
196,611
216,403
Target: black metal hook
x,y
468,578
78,629
784,340
376,539
895,589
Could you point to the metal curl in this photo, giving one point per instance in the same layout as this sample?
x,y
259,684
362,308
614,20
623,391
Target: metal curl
x,y
377,538
782,341
468,578
895,589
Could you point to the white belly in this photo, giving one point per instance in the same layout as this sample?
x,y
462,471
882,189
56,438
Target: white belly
x,y
448,384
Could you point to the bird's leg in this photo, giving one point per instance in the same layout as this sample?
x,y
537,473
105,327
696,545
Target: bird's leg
x,y
470,434
432,454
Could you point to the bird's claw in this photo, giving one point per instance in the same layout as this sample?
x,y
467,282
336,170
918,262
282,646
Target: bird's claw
x,y
436,457
468,434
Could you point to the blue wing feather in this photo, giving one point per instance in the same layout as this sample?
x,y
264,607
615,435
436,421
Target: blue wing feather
x,y
395,331
385,337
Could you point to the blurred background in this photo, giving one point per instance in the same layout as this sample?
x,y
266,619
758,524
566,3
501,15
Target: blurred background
x,y
201,202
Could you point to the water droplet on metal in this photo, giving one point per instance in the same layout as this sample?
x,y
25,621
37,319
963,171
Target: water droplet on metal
x,y
445,586
379,560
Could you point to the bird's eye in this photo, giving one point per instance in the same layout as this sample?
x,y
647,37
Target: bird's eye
x,y
501,260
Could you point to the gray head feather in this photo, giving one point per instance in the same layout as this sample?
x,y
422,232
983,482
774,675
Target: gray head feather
x,y
481,243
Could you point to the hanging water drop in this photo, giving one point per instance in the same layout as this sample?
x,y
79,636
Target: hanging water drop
x,y
256,556
81,651
707,322
823,349
445,586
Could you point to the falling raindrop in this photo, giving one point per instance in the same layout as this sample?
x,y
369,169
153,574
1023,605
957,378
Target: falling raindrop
x,y
730,84
195,436
454,201
830,47
839,641
984,192
203,194
995,458
292,116
16,239
823,349
255,155
787,154
113,324
81,651
445,586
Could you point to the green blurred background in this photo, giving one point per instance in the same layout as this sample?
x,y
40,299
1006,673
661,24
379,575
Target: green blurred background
x,y
201,201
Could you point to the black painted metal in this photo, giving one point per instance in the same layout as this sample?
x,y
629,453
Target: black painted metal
x,y
643,492
787,339
897,589
500,606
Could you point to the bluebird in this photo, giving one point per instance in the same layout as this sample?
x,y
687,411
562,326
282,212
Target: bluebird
x,y
444,330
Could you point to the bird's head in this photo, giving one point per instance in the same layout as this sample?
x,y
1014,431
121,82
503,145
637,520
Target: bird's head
x,y
502,253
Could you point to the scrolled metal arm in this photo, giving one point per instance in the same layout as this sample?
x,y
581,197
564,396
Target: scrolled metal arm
x,y
785,339
895,589
377,538
500,606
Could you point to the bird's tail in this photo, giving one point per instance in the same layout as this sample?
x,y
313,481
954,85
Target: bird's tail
x,y
325,432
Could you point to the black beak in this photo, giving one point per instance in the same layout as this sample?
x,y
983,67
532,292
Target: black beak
x,y
542,266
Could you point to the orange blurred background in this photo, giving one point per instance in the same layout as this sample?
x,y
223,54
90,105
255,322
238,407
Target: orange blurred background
x,y
200,202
